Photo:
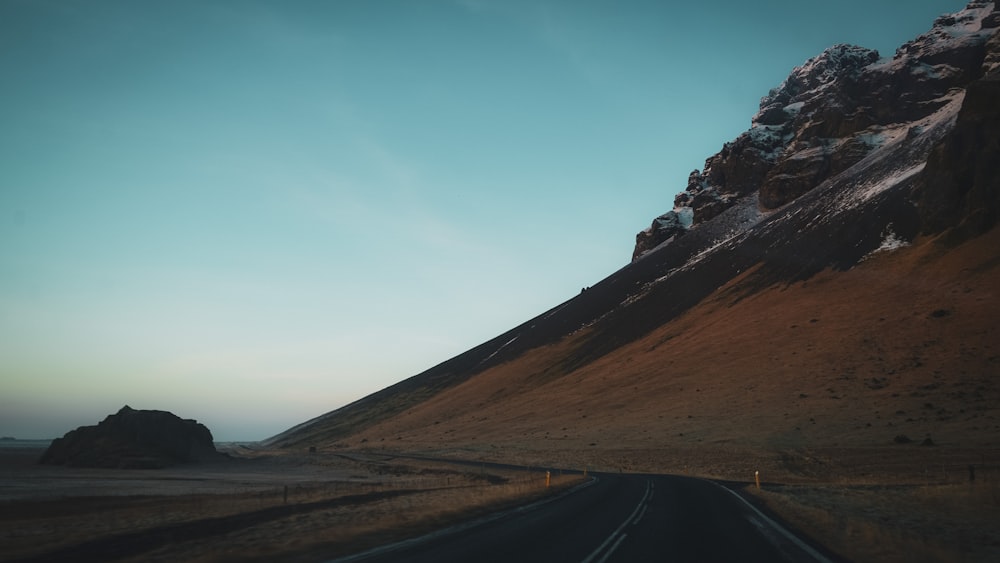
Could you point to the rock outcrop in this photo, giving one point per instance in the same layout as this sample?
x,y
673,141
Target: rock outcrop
x,y
664,229
832,112
960,188
134,439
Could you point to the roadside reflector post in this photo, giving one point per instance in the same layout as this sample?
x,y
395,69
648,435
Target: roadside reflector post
x,y
756,478
548,478
584,471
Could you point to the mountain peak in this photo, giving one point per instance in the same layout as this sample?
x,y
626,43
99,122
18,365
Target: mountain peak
x,y
834,64
829,114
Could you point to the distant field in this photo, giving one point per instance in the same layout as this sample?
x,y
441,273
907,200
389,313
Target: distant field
x,y
259,506
14,443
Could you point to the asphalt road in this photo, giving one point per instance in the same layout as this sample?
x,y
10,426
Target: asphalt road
x,y
616,518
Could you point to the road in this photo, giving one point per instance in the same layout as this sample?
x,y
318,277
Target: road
x,y
629,518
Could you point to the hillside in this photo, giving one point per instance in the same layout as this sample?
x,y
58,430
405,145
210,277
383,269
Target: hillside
x,y
827,282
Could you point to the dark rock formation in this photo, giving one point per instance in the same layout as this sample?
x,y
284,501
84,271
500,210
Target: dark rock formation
x,y
834,111
664,228
135,439
960,192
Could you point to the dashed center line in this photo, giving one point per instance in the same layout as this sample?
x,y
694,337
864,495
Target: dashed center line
x,y
618,536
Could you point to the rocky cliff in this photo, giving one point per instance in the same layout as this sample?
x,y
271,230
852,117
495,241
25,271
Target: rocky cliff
x,y
842,106
135,439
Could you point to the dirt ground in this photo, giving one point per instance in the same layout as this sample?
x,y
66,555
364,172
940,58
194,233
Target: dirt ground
x,y
257,506
904,523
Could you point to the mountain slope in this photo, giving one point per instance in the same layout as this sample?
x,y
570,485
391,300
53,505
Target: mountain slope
x,y
828,279
905,343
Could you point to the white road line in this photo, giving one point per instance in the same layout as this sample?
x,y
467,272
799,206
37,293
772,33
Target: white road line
x,y
621,538
771,524
617,532
641,514
601,547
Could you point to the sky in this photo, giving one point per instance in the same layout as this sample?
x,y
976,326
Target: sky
x,y
254,212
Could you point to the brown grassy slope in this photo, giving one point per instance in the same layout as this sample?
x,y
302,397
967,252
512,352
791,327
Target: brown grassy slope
x,y
905,343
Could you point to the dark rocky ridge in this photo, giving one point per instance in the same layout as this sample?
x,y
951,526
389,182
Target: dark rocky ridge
x,y
134,439
960,188
828,115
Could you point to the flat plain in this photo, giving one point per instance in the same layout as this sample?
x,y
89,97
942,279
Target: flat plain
x,y
255,506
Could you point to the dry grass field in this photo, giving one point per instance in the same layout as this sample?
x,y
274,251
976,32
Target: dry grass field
x,y
258,507
904,523
906,343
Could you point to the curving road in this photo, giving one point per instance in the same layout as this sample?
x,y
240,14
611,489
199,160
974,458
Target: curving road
x,y
616,518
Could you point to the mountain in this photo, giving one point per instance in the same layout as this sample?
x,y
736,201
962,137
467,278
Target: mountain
x,y
828,279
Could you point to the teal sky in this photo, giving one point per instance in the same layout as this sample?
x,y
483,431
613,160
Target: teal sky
x,y
251,213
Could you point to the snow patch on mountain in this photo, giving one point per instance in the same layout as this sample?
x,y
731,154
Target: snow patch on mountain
x,y
890,241
500,349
